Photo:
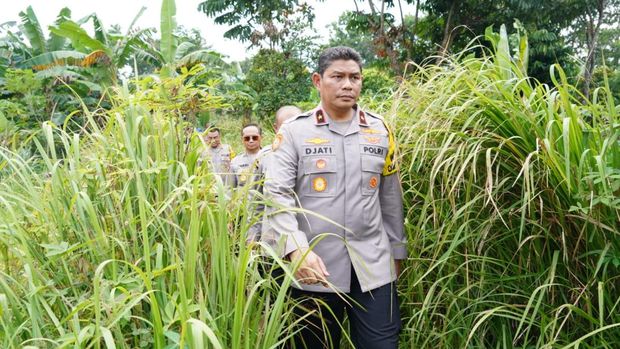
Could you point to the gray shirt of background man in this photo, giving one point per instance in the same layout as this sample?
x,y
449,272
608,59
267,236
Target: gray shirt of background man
x,y
217,155
284,113
244,168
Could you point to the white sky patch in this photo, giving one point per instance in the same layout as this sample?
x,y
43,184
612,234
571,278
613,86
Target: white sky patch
x,y
122,12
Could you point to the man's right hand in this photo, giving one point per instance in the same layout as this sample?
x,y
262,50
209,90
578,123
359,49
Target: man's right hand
x,y
311,269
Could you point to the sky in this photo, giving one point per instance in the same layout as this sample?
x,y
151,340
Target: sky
x,y
122,12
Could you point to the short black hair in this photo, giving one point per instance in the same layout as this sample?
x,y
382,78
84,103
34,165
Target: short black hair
x,y
250,124
213,128
338,53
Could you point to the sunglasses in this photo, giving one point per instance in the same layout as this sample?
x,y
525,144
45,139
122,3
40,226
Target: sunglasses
x,y
248,138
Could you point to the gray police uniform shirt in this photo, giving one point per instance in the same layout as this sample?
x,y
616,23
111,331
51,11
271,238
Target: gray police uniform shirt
x,y
349,191
244,168
219,161
264,229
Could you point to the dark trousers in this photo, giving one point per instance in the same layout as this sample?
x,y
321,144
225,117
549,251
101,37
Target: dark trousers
x,y
374,317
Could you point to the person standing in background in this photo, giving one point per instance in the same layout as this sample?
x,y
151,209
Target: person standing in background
x,y
284,113
244,173
243,166
218,155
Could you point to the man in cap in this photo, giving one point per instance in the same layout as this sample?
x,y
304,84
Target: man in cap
x,y
336,162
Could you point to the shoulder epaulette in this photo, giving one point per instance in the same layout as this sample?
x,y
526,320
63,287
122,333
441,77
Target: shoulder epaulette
x,y
376,116
303,115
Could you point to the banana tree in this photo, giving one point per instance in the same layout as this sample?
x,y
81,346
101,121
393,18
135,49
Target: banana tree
x,y
38,50
106,49
174,55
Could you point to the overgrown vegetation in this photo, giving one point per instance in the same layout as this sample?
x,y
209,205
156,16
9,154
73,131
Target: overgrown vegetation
x,y
123,240
117,237
113,234
513,208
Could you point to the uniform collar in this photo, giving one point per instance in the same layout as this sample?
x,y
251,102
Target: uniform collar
x,y
250,156
321,117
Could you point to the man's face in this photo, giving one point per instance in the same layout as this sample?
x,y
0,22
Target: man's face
x,y
340,85
251,139
213,139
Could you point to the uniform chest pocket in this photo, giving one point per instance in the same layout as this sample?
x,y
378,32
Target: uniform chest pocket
x,y
371,166
319,176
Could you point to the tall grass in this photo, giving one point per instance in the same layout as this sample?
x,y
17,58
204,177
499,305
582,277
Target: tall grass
x,y
513,212
117,237
123,240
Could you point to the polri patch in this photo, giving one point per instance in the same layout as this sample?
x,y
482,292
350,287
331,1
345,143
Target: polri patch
x,y
373,150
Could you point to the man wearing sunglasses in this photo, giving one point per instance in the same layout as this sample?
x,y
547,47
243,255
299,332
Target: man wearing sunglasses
x,y
245,169
243,166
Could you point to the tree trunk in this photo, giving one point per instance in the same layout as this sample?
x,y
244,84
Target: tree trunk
x,y
447,33
415,21
592,31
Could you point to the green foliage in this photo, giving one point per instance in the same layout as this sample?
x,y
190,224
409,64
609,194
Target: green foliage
x,y
4,122
168,44
378,83
247,16
114,233
31,28
344,32
21,82
182,96
278,80
512,199
27,102
118,236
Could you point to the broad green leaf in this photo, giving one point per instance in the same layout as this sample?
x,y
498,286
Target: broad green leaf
x,y
80,39
54,58
4,122
100,32
57,42
32,30
168,26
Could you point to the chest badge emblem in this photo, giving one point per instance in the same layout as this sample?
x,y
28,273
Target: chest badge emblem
x,y
317,141
372,140
319,184
372,131
373,182
321,164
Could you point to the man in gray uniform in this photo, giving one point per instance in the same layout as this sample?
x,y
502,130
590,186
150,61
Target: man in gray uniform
x,y
243,166
284,113
337,163
217,154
